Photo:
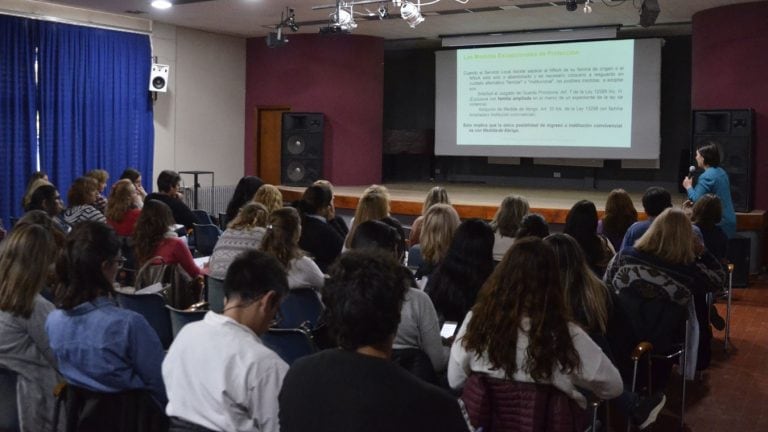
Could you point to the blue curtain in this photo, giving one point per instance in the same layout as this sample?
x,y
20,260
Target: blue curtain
x,y
95,107
17,112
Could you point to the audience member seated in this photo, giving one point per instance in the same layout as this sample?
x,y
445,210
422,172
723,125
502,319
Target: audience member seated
x,y
373,205
81,196
99,346
419,327
25,257
440,223
37,179
244,191
655,201
154,237
123,207
218,373
517,331
168,186
581,224
270,196
336,222
357,388
506,222
533,224
101,178
706,215
619,215
436,195
454,284
662,271
318,237
242,234
282,241
134,176
47,199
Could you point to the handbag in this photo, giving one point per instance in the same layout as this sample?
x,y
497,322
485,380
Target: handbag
x,y
169,280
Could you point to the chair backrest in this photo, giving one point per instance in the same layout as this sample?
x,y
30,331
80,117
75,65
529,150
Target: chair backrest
x,y
128,411
512,406
152,308
9,410
414,257
215,294
180,318
300,306
289,344
206,236
657,320
202,217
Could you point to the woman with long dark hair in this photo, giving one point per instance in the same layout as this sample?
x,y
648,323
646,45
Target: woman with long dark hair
x,y
98,345
454,284
318,237
244,191
520,330
581,224
714,180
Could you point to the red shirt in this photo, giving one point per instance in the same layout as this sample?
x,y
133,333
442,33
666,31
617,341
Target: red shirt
x,y
175,251
125,227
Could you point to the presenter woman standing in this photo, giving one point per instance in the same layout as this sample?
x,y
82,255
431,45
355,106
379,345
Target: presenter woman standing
x,y
713,180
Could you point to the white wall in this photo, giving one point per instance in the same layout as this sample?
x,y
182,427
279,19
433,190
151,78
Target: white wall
x,y
199,122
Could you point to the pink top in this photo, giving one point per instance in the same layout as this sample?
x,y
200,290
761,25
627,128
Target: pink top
x,y
174,251
126,226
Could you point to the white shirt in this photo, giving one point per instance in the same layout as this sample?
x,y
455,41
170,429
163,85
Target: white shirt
x,y
219,375
501,245
305,273
596,373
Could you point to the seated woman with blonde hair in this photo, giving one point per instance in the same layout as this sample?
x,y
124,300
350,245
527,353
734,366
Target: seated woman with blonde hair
x,y
440,223
242,234
123,207
373,205
269,196
436,195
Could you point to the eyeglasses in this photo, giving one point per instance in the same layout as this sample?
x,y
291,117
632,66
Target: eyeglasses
x,y
120,261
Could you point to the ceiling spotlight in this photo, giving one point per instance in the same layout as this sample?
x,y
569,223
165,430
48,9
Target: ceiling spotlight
x,y
161,4
570,5
344,20
291,21
411,14
587,7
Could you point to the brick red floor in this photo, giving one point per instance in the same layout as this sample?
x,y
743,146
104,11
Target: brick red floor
x,y
732,395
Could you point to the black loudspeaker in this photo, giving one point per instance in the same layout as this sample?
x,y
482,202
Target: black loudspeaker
x,y
302,149
738,254
732,130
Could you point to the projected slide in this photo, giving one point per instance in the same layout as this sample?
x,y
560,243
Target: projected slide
x,y
554,95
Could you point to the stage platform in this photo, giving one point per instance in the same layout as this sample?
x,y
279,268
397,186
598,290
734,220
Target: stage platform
x,y
481,201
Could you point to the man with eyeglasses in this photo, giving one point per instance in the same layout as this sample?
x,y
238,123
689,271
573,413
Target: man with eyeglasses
x,y
218,374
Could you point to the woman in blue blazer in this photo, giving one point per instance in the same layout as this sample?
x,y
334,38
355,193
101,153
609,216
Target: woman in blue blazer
x,y
713,180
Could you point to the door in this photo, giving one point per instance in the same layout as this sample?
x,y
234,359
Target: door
x,y
269,142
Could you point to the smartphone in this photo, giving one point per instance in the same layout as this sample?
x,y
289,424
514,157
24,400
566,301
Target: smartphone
x,y
449,329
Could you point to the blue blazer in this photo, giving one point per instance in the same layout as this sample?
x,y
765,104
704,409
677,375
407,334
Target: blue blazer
x,y
714,180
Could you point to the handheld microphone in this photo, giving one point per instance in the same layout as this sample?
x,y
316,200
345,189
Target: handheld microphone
x,y
691,169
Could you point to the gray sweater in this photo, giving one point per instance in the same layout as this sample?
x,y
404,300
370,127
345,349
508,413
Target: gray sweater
x,y
24,349
419,328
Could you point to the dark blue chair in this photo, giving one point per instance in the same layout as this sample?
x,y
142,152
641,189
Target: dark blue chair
x,y
9,411
289,344
414,257
301,307
180,318
152,308
206,237
215,294
202,217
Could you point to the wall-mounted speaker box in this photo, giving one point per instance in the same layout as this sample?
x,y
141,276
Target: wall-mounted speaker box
x,y
732,131
158,78
302,148
739,249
